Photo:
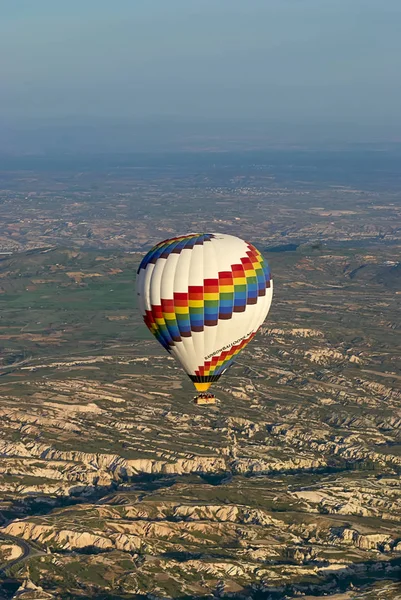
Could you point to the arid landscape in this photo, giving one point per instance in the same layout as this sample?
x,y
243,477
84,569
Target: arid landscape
x,y
113,484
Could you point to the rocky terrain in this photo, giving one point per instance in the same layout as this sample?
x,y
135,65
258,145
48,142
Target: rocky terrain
x,y
114,485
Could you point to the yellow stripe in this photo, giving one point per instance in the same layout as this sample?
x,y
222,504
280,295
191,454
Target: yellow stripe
x,y
196,303
239,280
181,310
212,296
224,289
169,316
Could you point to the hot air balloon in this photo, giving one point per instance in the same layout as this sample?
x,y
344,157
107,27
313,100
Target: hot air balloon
x,y
204,297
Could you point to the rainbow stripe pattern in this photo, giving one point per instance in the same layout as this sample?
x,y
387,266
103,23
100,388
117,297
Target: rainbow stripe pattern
x,y
218,294
174,246
204,305
156,323
219,363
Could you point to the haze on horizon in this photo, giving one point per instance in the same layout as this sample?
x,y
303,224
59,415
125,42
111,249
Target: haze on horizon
x,y
295,69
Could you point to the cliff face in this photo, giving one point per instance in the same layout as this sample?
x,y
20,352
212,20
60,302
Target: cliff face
x,y
103,469
29,591
187,539
129,527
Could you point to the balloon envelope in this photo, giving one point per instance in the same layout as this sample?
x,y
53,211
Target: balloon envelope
x,y
204,296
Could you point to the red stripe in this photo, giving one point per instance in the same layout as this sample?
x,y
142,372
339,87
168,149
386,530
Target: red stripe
x,y
237,268
251,253
181,302
246,261
157,312
167,305
149,317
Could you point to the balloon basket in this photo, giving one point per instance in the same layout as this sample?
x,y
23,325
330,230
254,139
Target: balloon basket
x,y
203,399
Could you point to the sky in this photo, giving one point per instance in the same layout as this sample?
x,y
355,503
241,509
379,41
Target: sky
x,y
300,63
